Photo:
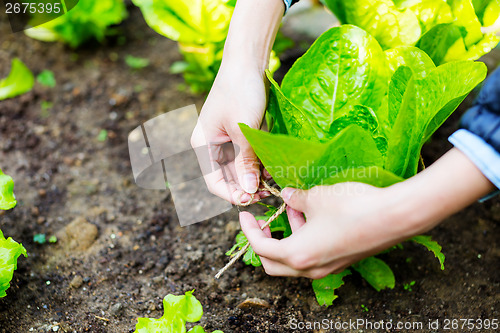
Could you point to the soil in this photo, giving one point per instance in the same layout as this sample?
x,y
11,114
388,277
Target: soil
x,y
125,250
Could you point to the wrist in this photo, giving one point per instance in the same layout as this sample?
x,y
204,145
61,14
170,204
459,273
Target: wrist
x,y
252,31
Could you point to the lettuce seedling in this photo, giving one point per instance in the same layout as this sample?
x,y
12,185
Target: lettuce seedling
x,y
46,78
7,197
9,249
19,80
9,252
136,62
178,310
88,19
349,111
446,30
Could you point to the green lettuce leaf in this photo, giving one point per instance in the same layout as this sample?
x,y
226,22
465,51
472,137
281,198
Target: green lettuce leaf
x,y
487,11
9,252
426,104
7,197
382,19
19,80
324,288
465,16
352,155
46,78
250,257
88,19
431,13
288,118
189,22
459,37
177,311
446,30
432,246
376,272
335,74
415,59
438,41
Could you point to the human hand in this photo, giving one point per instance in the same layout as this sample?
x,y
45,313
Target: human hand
x,y
345,223
350,221
237,96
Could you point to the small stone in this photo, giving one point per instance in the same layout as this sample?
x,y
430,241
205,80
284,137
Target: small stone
x,y
158,279
116,309
253,303
76,282
42,193
195,256
79,234
69,161
40,220
35,211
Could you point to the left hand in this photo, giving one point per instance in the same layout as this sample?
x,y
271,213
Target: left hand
x,y
345,223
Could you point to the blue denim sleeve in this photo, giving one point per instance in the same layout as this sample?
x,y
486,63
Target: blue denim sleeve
x,y
288,3
479,138
483,118
479,152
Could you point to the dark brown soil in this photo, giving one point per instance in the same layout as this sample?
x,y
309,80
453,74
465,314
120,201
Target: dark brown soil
x,y
62,172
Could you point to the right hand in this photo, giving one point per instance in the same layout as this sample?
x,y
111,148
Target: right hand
x,y
237,96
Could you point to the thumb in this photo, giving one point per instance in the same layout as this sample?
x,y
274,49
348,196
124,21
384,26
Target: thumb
x,y
295,198
247,165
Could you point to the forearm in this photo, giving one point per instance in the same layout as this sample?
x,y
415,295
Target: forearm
x,y
446,187
252,31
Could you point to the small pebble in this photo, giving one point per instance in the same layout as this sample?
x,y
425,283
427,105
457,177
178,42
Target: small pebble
x,y
253,303
76,282
116,309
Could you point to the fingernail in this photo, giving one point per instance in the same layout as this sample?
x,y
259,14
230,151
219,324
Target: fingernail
x,y
250,183
264,194
245,198
287,192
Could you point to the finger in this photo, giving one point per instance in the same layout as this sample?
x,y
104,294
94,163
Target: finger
x,y
227,190
266,230
275,268
247,165
211,169
264,194
296,199
266,175
261,243
295,218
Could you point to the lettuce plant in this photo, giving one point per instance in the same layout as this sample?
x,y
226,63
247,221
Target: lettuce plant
x,y
9,252
447,30
200,28
88,19
19,81
7,197
349,111
9,249
178,311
